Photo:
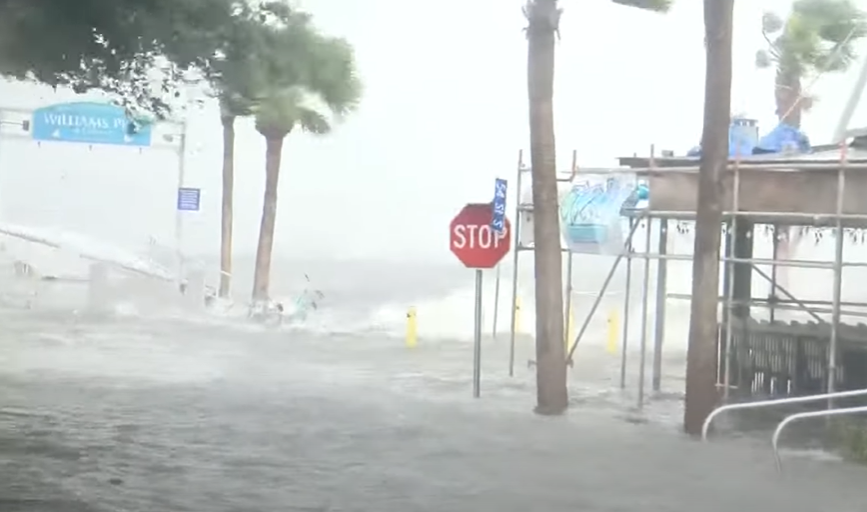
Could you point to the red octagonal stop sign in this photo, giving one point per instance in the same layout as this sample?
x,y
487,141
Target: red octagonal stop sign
x,y
472,239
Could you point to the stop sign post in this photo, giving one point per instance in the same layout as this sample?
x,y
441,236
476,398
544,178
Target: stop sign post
x,y
477,245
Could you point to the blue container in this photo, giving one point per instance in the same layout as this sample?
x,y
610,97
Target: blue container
x,y
743,136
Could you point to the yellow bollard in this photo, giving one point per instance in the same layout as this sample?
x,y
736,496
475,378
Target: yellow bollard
x,y
517,325
570,328
411,328
613,332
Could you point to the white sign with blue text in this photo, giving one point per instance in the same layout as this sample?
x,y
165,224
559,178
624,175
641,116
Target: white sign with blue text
x,y
498,222
89,123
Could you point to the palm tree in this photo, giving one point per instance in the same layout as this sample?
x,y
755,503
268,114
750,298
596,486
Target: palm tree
x,y
543,23
254,48
327,89
230,110
819,36
235,76
701,392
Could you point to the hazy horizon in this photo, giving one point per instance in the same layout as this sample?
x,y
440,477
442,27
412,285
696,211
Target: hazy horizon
x,y
442,116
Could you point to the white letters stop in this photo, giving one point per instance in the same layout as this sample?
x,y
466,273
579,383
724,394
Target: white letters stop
x,y
473,236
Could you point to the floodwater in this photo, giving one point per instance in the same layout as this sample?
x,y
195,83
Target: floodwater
x,y
207,414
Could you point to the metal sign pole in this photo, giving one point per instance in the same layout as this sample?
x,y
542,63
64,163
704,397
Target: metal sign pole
x,y
179,219
477,339
479,237
496,302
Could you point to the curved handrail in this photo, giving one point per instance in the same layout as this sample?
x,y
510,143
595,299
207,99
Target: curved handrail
x,y
804,415
780,401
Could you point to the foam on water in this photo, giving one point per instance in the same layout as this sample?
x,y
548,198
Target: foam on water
x,y
452,316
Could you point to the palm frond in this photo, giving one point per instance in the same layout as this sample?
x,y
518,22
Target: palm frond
x,y
834,21
335,77
282,110
818,36
314,121
763,59
771,23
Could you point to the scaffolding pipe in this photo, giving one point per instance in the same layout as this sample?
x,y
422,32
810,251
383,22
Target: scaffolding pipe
x,y
626,296
822,265
775,253
517,251
776,286
781,307
659,325
684,215
824,303
645,303
730,286
764,302
838,277
599,296
567,312
782,167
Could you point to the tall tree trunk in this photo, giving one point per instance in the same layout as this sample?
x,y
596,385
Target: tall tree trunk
x,y
789,109
552,397
701,393
788,97
262,275
227,206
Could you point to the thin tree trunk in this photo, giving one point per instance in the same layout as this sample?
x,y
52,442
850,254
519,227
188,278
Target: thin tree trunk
x,y
788,97
262,275
551,393
227,206
701,393
789,110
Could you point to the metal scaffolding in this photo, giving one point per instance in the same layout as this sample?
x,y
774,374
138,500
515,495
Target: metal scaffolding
x,y
520,209
838,219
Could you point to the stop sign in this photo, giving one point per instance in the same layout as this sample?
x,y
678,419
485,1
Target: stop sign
x,y
472,239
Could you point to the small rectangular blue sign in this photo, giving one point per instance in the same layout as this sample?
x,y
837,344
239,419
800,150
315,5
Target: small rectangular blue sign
x,y
498,223
89,123
189,199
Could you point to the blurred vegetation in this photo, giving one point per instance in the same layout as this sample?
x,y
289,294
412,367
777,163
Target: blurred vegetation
x,y
144,51
849,437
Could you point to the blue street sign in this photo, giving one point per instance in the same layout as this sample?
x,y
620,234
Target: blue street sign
x,y
89,123
189,199
498,223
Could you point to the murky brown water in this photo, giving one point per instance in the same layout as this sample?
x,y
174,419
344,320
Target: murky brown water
x,y
180,417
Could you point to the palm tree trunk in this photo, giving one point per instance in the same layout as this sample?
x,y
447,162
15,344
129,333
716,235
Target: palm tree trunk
x,y
789,109
788,97
227,207
262,275
701,393
551,393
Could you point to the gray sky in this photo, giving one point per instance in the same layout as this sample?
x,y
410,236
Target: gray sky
x,y
445,112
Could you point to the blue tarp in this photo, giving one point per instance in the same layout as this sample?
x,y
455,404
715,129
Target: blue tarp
x,y
783,138
744,141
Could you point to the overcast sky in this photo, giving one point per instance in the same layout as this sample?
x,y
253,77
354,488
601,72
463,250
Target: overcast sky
x,y
445,111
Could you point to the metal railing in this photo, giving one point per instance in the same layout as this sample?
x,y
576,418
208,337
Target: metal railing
x,y
804,415
781,401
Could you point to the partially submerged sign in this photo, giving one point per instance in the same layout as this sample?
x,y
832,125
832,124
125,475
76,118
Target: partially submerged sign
x,y
90,123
